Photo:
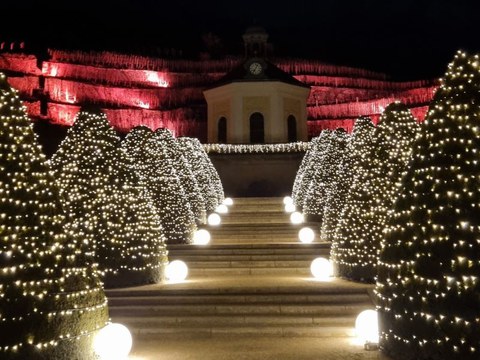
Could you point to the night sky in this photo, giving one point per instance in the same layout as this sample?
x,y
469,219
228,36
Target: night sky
x,y
408,39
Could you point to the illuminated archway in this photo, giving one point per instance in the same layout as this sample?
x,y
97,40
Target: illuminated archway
x,y
257,128
292,128
222,130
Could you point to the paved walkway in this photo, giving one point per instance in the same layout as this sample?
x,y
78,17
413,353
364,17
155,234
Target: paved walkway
x,y
248,348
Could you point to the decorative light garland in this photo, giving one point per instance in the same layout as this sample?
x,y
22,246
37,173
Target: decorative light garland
x,y
301,146
51,300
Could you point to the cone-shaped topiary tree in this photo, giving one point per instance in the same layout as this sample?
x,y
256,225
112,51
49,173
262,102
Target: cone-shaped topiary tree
x,y
337,180
167,192
198,159
354,226
316,153
51,302
306,160
216,182
428,284
315,189
108,204
185,174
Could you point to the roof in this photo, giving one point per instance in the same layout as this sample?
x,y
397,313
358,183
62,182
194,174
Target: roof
x,y
270,73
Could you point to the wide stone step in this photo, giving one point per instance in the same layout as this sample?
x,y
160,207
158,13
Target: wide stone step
x,y
218,272
261,248
280,227
209,264
258,200
200,309
230,321
256,208
253,299
313,331
247,257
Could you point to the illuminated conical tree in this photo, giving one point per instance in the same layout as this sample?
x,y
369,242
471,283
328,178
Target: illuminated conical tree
x,y
354,226
317,152
428,281
51,302
167,192
198,159
315,180
337,180
108,204
305,164
216,182
185,174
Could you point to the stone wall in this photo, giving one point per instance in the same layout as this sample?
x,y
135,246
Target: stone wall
x,y
257,174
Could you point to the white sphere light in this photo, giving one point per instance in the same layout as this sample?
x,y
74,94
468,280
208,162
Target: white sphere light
x,y
201,237
228,201
222,209
296,218
214,219
176,271
366,326
321,269
287,200
289,208
113,342
306,235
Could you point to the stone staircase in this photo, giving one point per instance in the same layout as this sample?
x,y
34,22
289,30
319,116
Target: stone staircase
x,y
257,220
248,259
252,280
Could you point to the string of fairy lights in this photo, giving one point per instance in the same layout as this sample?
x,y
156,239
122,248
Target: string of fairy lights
x,y
299,146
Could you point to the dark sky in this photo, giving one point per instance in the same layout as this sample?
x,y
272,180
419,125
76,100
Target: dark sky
x,y
408,39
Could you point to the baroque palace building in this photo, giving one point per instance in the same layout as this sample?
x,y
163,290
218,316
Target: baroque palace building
x,y
252,99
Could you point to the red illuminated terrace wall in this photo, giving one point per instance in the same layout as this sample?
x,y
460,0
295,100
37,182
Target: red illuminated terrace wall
x,y
136,90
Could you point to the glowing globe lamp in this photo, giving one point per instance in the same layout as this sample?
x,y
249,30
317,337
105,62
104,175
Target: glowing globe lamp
x,y
321,269
296,218
201,237
228,201
214,219
366,326
113,342
176,271
289,208
306,235
222,209
287,200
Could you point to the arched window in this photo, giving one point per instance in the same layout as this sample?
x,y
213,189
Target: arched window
x,y
292,128
257,132
222,130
